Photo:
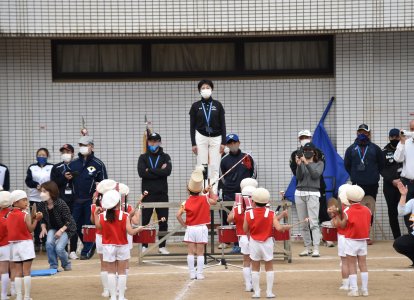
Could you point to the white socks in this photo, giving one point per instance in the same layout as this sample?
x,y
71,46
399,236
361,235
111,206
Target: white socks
x,y
200,267
345,284
12,288
247,274
18,283
122,280
190,263
364,281
104,280
27,286
256,283
112,285
4,284
353,284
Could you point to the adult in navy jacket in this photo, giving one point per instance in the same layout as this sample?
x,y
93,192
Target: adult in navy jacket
x,y
87,170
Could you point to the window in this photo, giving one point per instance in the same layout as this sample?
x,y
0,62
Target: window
x,y
189,58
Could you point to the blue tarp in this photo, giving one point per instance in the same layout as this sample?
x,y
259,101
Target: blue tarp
x,y
46,272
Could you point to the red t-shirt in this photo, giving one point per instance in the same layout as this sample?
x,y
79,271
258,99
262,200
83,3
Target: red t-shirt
x,y
114,233
4,240
16,226
261,227
93,208
197,209
359,222
340,230
238,221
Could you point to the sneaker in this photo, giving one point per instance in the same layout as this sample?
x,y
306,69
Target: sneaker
x,y
235,250
256,296
315,253
67,268
37,248
306,252
330,244
43,248
144,249
73,255
270,295
344,287
364,293
353,293
200,277
193,276
105,294
5,298
248,288
163,251
222,246
83,257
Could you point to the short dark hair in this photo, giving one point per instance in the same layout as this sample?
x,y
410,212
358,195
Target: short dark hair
x,y
205,81
260,204
43,149
52,188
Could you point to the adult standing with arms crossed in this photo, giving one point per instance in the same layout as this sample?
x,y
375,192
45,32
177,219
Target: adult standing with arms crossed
x,y
208,130
154,166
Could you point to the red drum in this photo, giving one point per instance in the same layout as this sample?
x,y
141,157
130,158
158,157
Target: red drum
x,y
227,234
281,236
147,236
247,201
329,232
89,233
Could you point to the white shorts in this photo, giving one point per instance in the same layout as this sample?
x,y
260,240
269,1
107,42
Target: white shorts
x,y
98,243
21,251
244,244
196,234
5,253
130,244
112,253
356,247
341,245
261,250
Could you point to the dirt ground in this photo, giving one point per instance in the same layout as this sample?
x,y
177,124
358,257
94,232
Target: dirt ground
x,y
167,278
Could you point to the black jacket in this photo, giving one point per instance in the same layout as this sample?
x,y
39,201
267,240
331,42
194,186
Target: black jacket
x,y
392,169
61,215
154,180
4,177
58,176
198,120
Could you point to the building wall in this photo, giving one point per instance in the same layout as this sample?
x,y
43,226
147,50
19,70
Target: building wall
x,y
373,84
165,17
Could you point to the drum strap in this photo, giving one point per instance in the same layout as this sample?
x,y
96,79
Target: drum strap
x,y
251,214
239,208
266,214
120,215
104,215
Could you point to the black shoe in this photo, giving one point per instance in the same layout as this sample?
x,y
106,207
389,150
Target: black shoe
x,y
92,251
37,247
83,257
43,247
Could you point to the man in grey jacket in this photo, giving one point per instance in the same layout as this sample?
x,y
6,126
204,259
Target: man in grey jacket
x,y
308,172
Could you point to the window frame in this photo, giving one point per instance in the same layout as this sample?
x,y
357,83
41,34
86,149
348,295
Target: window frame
x,y
238,73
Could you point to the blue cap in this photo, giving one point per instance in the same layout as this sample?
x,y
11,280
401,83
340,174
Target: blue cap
x,y
394,132
232,137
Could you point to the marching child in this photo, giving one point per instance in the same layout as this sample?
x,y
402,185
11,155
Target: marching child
x,y
115,224
197,210
4,243
237,217
332,211
259,223
19,229
102,187
357,221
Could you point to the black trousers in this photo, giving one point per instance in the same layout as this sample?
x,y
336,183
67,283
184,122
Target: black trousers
x,y
392,197
161,212
405,246
323,210
410,195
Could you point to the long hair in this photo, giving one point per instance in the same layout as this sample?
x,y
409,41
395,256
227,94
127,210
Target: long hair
x,y
52,188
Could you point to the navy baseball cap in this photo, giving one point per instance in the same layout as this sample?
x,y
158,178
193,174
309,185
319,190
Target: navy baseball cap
x,y
154,137
68,147
232,137
394,132
364,127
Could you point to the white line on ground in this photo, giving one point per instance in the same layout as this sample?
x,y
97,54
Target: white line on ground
x,y
184,290
164,264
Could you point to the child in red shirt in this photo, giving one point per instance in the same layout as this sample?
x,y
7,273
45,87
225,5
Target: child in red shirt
x,y
197,210
115,224
357,221
4,242
259,223
19,230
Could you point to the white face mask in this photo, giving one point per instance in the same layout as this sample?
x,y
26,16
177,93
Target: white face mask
x,y
304,142
206,93
44,196
84,150
66,157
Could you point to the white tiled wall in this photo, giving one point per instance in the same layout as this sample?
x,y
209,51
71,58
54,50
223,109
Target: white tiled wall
x,y
373,84
54,17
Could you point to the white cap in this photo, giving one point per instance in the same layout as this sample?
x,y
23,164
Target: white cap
x,y
86,140
111,199
304,132
261,195
248,190
17,195
123,189
105,186
248,182
195,184
5,199
355,193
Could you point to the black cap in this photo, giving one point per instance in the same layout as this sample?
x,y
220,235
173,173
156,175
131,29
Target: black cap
x,y
364,127
309,146
394,132
67,147
154,137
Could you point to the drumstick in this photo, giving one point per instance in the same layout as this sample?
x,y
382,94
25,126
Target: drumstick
x,y
153,223
300,222
228,171
34,211
144,194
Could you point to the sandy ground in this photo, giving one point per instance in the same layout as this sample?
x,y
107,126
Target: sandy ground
x,y
167,278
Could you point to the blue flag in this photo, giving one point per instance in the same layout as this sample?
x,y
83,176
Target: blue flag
x,y
334,174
